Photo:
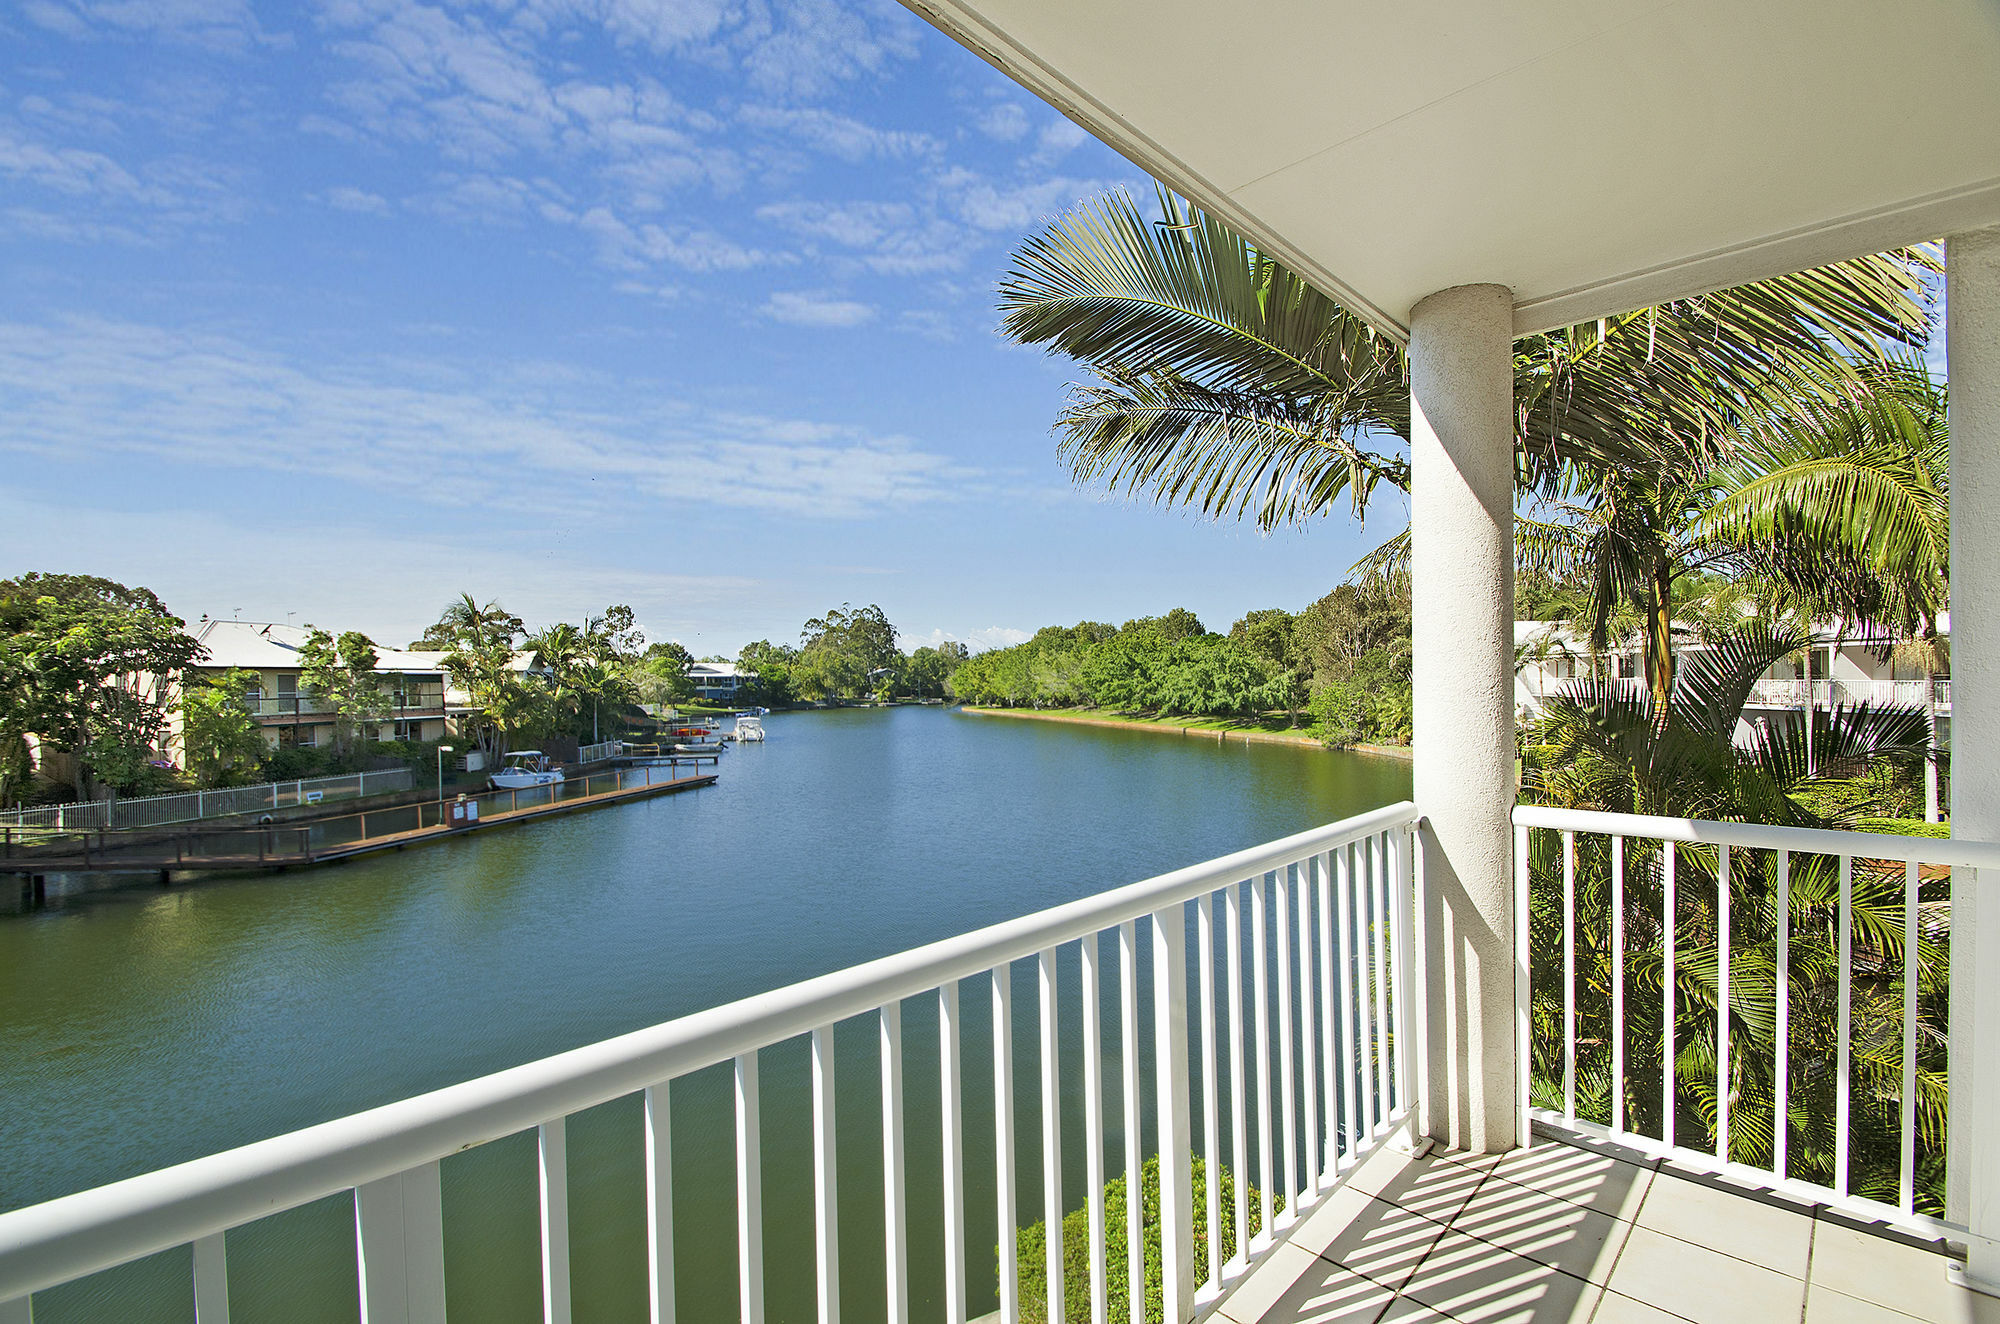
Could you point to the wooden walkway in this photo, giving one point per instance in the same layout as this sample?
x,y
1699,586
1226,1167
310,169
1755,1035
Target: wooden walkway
x,y
303,843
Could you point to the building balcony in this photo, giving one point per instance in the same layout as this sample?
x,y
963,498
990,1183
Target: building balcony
x,y
1276,1011
411,704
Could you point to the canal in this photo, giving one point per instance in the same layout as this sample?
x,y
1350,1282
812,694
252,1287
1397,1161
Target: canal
x,y
143,1026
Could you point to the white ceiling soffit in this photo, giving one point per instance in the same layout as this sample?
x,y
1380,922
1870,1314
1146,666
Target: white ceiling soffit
x,y
1595,156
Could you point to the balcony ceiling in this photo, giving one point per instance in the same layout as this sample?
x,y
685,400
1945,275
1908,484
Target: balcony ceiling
x,y
1594,155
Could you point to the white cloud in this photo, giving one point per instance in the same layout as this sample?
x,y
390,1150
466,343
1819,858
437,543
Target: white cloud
x,y
514,436
800,309
227,25
631,247
345,197
190,557
839,135
979,641
1007,122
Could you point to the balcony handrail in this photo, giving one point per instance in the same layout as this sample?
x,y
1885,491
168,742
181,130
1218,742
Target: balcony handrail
x,y
72,1236
1955,851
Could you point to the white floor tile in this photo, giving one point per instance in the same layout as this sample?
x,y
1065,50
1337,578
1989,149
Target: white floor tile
x,y
1476,1282
1775,1238
1293,1286
1887,1272
1596,1181
1701,1284
1565,1236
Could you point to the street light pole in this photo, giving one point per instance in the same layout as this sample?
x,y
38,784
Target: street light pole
x,y
442,751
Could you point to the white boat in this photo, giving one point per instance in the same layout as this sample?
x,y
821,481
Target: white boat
x,y
703,747
747,728
524,768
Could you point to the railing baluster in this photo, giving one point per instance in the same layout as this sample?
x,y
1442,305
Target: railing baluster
x,y
1364,938
1669,856
1211,1122
1287,1102
1379,845
1569,974
749,1192
950,1100
1842,1105
1350,1011
660,1202
1128,1045
826,1180
1003,1143
1402,989
1262,1041
1328,1021
399,1248
1617,983
895,1232
1781,1077
211,1280
1302,929
1907,1173
1093,1128
1722,1072
1052,1210
1239,1102
1170,1089
552,1148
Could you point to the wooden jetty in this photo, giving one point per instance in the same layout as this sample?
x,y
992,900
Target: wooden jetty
x,y
35,851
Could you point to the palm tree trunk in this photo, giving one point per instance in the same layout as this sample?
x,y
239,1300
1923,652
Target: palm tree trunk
x,y
1660,635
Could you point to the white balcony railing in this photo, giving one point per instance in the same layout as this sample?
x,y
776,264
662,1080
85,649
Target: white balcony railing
x,y
1827,1077
1846,693
1302,989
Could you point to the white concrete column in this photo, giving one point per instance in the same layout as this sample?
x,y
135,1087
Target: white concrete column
x,y
1972,362
1462,561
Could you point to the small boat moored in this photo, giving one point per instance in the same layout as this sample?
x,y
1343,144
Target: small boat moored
x,y
748,728
524,768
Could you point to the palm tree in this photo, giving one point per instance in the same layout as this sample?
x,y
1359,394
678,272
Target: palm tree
x,y
1228,384
1592,749
1850,496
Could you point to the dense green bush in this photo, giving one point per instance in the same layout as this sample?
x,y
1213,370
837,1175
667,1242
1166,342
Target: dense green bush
x,y
1031,1245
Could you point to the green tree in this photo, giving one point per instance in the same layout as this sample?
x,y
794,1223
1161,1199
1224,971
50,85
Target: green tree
x,y
1272,637
340,672
90,669
929,672
660,676
772,664
843,653
479,644
220,738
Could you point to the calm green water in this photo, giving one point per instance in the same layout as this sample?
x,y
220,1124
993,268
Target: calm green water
x,y
144,1026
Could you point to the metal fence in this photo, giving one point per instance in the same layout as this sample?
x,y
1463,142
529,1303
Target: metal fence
x,y
187,806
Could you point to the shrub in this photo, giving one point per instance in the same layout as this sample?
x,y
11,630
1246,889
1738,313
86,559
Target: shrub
x,y
1031,1246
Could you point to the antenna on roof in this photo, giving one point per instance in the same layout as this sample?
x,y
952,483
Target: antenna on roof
x,y
239,613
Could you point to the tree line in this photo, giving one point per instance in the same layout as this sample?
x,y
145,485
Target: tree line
x,y
1342,662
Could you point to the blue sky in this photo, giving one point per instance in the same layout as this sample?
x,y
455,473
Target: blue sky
x,y
336,311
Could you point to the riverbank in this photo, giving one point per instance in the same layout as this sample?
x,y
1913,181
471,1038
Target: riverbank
x,y
1223,729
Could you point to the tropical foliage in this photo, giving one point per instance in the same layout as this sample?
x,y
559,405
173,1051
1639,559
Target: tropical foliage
x,y
1595,749
89,667
1225,383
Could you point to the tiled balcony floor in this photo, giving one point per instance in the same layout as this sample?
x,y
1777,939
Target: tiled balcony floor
x,y
1559,1233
